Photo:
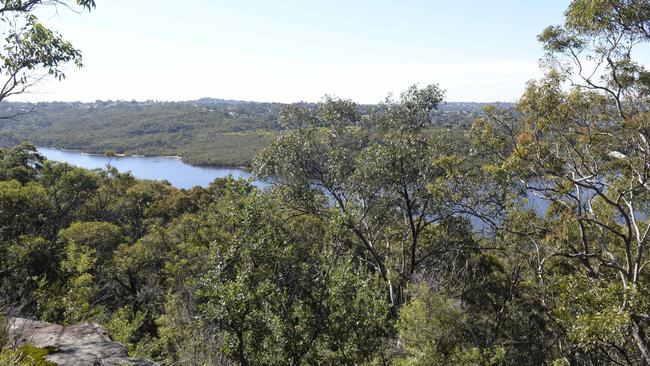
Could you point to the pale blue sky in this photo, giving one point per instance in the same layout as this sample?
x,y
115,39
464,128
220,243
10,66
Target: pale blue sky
x,y
290,50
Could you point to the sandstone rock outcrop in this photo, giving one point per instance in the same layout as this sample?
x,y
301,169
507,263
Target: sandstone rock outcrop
x,y
83,344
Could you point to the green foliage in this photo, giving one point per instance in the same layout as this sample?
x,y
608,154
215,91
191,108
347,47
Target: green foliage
x,y
124,326
589,310
375,169
78,278
30,50
281,300
384,240
22,207
4,330
580,143
20,163
433,330
80,290
186,340
25,356
424,327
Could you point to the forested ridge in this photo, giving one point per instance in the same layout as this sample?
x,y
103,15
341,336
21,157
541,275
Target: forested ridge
x,y
203,132
382,238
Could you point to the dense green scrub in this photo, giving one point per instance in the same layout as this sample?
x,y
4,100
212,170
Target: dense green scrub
x,y
208,274
25,356
229,274
362,253
383,240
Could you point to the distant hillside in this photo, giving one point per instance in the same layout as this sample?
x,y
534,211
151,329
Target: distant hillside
x,y
204,132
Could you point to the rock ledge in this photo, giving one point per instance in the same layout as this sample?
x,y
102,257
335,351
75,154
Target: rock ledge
x,y
76,345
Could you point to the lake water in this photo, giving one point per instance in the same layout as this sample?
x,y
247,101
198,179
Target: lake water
x,y
179,174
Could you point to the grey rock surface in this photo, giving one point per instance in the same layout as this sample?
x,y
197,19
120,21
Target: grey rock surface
x,y
83,344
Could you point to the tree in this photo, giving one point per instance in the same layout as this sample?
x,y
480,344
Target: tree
x,y
580,143
31,51
69,188
22,163
433,331
280,295
369,174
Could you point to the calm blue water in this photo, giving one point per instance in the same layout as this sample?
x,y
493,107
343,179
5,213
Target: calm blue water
x,y
179,174
183,175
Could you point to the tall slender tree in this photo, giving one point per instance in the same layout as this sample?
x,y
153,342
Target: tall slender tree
x,y
581,144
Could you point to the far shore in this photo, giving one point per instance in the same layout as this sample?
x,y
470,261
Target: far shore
x,y
176,157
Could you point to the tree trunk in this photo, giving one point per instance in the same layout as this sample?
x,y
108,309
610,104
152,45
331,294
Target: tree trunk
x,y
641,342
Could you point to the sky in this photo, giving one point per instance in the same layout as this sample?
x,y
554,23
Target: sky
x,y
299,50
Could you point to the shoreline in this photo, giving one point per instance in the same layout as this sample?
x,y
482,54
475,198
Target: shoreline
x,y
175,157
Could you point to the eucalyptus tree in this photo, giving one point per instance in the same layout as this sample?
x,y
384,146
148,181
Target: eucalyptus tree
x,y
368,174
30,51
580,142
21,163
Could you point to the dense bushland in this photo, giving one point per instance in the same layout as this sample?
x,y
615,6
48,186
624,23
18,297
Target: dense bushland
x,y
381,241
